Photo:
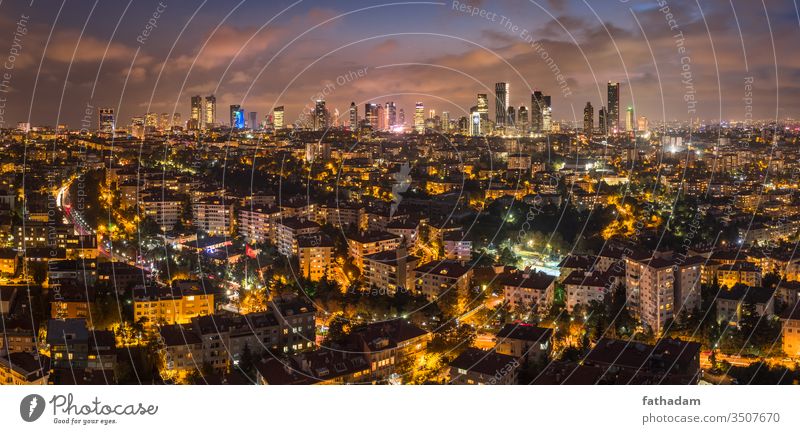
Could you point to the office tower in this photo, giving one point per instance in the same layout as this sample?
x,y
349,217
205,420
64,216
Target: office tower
x,y
630,123
445,121
176,120
602,121
277,117
232,114
537,110
523,122
483,106
475,123
371,115
320,115
106,120
419,118
237,116
501,92
391,114
511,117
353,117
642,125
588,119
253,120
336,118
211,111
547,114
401,117
381,115
612,113
196,116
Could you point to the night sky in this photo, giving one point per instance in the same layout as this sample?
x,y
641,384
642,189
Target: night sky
x,y
261,54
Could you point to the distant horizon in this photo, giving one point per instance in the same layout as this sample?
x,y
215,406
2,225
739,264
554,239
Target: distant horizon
x,y
712,60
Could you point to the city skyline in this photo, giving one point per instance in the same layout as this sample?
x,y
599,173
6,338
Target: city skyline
x,y
242,64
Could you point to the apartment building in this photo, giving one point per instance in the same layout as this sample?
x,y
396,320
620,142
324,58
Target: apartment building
x,y
213,216
157,305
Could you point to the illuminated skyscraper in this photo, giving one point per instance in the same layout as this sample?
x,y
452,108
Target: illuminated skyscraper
x,y
401,117
630,123
277,117
612,112
353,117
320,115
253,121
445,121
511,117
501,92
602,121
475,123
523,121
382,117
106,120
196,116
547,114
236,116
537,111
176,120
371,115
211,111
391,114
419,118
588,119
483,106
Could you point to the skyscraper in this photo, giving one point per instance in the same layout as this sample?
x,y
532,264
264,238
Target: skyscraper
x,y
419,118
196,116
588,119
501,92
320,115
630,123
612,112
277,117
211,111
512,117
523,122
382,117
537,111
371,115
445,121
401,117
547,114
176,120
106,120
233,115
475,123
391,115
483,106
253,121
602,121
353,117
